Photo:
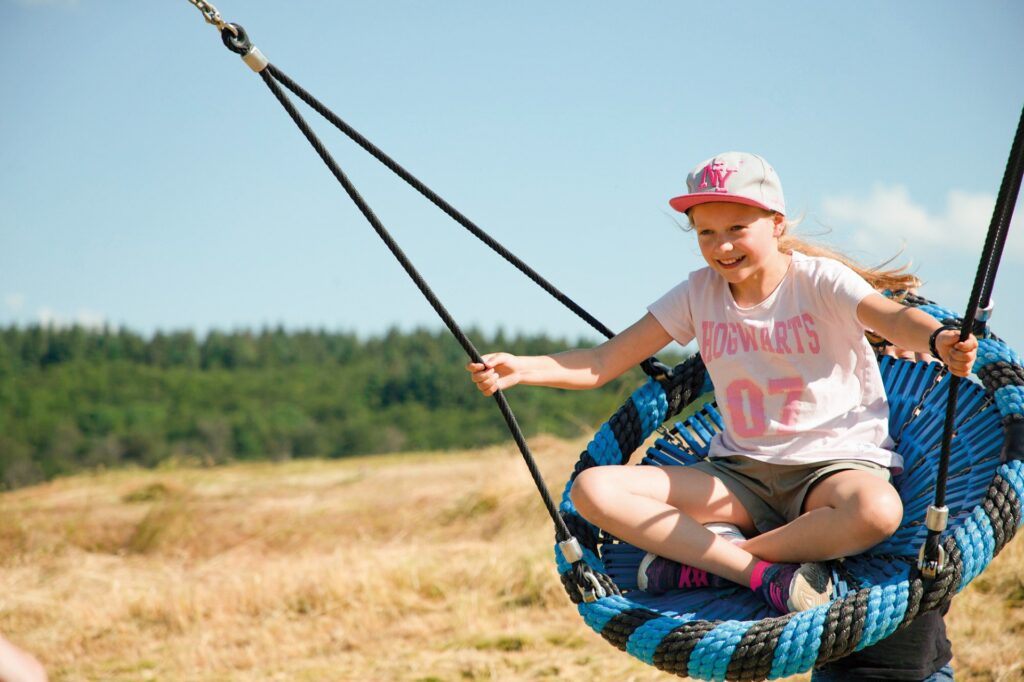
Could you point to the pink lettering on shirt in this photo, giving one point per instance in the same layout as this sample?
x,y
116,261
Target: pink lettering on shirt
x,y
707,330
745,402
794,336
792,389
794,324
748,337
721,332
813,343
781,345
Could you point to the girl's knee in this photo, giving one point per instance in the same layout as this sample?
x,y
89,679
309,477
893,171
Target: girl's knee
x,y
591,491
881,512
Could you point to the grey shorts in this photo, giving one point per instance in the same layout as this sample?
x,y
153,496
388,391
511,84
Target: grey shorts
x,y
774,494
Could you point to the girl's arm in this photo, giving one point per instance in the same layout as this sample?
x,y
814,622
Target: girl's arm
x,y
911,328
584,368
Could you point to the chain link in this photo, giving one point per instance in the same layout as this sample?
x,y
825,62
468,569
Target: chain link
x,y
210,13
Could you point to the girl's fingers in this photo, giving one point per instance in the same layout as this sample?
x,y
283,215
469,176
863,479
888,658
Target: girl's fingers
x,y
494,359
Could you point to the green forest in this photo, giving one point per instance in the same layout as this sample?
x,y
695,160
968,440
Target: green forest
x,y
73,399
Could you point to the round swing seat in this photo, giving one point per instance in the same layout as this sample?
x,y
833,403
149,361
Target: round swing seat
x,y
731,633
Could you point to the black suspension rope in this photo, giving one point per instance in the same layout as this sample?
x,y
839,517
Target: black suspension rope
x,y
981,296
651,366
437,200
236,40
424,288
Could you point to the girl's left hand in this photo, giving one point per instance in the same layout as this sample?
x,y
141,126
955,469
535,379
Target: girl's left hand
x,y
958,355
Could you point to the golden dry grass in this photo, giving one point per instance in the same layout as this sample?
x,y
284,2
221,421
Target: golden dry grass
x,y
421,567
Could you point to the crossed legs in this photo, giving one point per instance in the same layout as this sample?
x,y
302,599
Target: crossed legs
x,y
663,509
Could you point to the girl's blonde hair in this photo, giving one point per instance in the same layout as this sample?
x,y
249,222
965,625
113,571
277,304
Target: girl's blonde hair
x,y
899,280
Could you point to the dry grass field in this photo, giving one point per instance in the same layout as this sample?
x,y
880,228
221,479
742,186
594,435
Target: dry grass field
x,y
421,567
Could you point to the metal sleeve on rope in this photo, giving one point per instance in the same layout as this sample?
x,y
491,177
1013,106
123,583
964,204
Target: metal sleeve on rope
x,y
985,314
255,59
936,518
571,550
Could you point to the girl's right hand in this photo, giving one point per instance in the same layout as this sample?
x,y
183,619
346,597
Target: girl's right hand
x,y
497,372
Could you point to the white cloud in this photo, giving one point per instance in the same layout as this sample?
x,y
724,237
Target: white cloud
x,y
89,319
48,318
890,216
14,302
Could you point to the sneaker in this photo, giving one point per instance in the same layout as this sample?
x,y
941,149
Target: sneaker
x,y
658,575
796,587
726,530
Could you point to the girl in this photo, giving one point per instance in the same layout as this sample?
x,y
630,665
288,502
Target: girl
x,y
803,461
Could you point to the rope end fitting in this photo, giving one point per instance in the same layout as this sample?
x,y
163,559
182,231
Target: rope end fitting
x,y
587,583
255,59
595,592
931,567
571,550
935,521
981,318
936,518
237,40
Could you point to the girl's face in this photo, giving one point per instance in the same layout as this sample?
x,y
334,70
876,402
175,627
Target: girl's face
x,y
739,242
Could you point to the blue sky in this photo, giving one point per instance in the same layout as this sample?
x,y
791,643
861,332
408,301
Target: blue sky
x,y
149,179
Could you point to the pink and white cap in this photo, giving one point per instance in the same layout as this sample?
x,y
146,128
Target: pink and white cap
x,y
736,177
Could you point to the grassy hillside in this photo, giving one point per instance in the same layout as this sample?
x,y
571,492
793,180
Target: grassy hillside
x,y
422,567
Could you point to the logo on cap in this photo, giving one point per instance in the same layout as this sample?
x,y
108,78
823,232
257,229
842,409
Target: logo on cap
x,y
715,175
737,177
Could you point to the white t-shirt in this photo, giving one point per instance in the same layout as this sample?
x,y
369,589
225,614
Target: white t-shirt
x,y
795,379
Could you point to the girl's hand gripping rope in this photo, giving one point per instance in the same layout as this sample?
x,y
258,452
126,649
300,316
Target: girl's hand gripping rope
x,y
958,355
498,371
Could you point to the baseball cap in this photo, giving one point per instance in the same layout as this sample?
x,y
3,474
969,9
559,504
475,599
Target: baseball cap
x,y
736,177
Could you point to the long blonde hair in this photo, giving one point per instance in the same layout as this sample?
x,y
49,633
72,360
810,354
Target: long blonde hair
x,y
898,280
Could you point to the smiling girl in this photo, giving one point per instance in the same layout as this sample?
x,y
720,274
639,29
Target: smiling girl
x,y
803,464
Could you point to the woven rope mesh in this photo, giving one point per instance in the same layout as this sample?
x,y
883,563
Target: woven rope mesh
x,y
730,633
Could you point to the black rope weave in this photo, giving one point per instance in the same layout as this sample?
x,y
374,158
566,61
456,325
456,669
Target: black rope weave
x,y
752,659
673,654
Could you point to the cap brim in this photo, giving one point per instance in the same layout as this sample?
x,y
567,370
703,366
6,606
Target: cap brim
x,y
688,201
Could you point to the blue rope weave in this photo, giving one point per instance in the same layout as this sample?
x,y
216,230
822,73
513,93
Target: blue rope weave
x,y
731,633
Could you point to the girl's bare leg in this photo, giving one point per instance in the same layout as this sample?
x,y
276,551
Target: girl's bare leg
x,y
662,509
845,514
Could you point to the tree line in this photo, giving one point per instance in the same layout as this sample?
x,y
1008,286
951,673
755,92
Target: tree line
x,y
75,398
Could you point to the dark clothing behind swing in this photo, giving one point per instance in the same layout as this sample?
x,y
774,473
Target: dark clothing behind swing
x,y
911,654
